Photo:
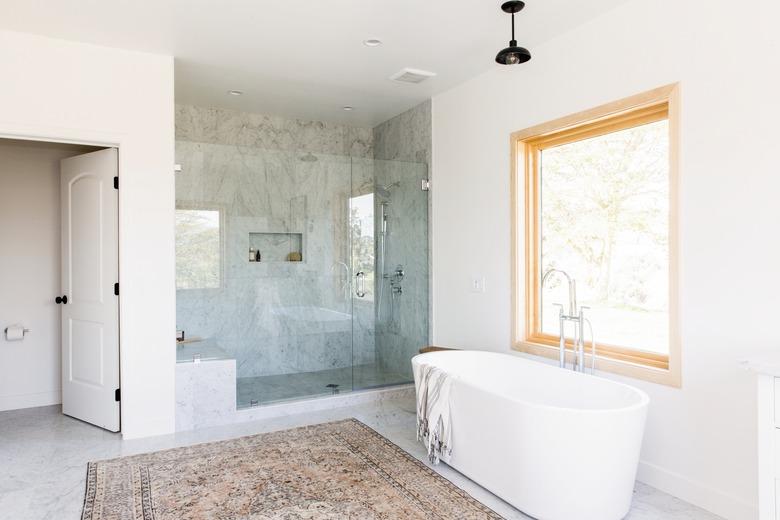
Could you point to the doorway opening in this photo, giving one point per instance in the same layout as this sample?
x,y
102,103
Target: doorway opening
x,y
59,274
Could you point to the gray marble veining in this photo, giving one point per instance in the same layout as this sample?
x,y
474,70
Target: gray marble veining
x,y
273,317
222,126
405,137
402,153
205,393
402,318
44,456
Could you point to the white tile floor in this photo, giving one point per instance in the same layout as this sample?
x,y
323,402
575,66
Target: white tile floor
x,y
43,457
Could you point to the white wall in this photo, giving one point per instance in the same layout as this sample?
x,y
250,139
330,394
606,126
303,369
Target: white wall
x,y
30,270
63,90
700,440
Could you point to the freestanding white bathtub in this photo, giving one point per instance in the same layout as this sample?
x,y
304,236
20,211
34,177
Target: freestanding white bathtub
x,y
554,443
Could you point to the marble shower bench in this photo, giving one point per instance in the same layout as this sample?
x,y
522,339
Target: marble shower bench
x,y
205,385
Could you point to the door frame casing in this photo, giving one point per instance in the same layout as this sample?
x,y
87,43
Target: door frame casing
x,y
104,139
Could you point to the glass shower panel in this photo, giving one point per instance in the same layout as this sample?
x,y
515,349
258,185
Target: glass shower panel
x,y
400,277
277,299
304,347
310,270
363,266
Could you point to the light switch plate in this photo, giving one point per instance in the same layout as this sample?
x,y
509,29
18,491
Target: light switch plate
x,y
478,284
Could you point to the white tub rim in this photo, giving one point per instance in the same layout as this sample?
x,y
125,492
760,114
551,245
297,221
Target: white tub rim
x,y
643,402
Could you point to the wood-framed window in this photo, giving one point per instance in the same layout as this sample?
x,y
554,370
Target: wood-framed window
x,y
595,194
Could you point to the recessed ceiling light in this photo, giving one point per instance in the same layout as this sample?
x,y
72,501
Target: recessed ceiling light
x,y
372,42
349,108
235,92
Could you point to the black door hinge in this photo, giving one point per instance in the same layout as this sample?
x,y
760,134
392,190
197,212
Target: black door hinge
x,y
116,183
116,289
117,395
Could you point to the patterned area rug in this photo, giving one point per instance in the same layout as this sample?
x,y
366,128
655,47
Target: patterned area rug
x,y
338,470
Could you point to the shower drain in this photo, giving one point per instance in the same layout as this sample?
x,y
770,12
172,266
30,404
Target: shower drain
x,y
334,387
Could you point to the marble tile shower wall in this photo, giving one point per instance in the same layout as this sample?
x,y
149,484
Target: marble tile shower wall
x,y
229,127
402,319
275,317
406,137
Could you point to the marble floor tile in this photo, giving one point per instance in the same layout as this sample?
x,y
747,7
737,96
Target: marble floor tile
x,y
43,457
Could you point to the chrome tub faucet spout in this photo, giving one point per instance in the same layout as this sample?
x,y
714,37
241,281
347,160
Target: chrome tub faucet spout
x,y
577,316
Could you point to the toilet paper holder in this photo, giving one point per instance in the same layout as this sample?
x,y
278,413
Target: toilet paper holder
x,y
25,331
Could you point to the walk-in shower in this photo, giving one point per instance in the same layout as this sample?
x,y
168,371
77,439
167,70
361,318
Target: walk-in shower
x,y
309,269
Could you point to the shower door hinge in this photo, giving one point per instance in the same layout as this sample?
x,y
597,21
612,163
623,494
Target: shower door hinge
x,y
425,185
117,395
116,183
116,289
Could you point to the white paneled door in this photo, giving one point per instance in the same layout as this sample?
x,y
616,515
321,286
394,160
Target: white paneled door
x,y
89,299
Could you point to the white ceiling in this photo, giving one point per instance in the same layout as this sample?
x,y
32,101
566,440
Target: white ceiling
x,y
305,58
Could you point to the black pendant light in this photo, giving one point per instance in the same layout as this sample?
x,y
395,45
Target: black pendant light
x,y
513,54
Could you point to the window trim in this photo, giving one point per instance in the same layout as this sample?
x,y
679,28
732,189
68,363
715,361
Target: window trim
x,y
653,105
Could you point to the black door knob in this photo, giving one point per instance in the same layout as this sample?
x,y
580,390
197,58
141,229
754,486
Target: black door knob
x,y
61,299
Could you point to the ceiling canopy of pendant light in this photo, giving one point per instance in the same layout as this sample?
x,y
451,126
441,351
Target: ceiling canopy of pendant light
x,y
513,54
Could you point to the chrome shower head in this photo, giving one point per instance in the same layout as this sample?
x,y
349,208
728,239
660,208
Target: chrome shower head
x,y
385,190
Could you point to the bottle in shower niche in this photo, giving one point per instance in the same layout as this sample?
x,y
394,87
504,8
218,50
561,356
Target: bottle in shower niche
x,y
252,254
258,257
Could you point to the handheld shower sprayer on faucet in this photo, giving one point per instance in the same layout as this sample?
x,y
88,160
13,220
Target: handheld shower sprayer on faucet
x,y
576,315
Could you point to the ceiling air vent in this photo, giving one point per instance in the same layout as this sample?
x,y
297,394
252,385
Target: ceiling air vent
x,y
412,75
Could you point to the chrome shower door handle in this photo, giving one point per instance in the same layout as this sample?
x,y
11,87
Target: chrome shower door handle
x,y
360,282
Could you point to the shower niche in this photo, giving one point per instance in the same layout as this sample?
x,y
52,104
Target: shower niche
x,y
276,247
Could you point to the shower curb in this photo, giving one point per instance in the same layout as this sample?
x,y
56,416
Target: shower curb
x,y
322,403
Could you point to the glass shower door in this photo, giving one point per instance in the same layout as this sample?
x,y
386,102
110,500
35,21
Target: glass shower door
x,y
363,266
284,308
311,324
311,309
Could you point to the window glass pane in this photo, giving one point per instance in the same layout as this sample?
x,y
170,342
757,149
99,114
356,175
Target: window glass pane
x,y
197,249
605,221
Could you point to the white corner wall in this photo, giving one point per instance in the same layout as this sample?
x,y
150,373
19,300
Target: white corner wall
x,y
700,442
59,90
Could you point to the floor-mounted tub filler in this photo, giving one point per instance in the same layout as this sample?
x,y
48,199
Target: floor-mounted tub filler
x,y
556,444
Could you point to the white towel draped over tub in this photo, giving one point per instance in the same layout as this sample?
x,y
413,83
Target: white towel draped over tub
x,y
434,426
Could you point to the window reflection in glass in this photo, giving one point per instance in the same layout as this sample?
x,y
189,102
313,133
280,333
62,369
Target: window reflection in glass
x,y
361,221
198,258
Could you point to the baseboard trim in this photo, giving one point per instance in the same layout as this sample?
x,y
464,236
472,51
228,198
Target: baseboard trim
x,y
16,402
696,493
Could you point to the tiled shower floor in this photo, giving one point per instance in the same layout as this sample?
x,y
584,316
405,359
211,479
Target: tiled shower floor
x,y
251,391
